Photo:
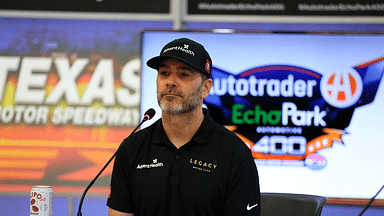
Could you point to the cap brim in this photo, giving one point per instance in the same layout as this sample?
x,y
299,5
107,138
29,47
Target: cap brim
x,y
155,61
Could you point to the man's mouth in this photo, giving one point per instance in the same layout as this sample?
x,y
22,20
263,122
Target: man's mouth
x,y
170,94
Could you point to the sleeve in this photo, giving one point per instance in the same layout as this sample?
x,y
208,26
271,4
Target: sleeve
x,y
243,196
120,193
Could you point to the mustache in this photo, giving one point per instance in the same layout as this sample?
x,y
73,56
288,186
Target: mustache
x,y
171,91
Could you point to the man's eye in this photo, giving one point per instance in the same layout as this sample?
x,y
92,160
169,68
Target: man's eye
x,y
163,73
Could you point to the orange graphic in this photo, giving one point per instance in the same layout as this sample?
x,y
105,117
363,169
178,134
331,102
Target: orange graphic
x,y
98,158
70,161
55,155
24,163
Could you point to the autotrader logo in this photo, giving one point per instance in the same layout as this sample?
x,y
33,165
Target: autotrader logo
x,y
287,114
342,88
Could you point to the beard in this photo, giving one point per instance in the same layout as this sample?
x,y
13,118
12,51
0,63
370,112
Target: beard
x,y
186,104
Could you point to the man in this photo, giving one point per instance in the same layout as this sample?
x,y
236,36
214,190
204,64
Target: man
x,y
185,163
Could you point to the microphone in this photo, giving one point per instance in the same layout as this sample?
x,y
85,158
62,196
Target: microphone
x,y
147,116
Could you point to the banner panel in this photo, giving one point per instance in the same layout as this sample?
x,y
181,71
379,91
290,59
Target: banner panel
x,y
288,7
307,105
121,6
70,93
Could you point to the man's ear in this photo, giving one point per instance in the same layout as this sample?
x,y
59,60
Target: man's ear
x,y
207,85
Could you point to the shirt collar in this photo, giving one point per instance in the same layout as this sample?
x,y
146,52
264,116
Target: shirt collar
x,y
201,137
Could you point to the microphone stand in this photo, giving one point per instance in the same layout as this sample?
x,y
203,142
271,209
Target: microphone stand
x,y
146,117
370,201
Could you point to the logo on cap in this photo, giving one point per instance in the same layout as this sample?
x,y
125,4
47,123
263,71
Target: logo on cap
x,y
208,66
180,48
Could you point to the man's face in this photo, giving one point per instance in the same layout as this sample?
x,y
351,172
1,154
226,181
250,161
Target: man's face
x,y
180,87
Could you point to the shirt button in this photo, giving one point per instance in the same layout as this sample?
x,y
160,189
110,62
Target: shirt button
x,y
177,157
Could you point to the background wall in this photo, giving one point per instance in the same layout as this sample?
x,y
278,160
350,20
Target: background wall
x,y
96,36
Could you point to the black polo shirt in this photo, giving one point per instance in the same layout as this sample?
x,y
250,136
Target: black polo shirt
x,y
213,174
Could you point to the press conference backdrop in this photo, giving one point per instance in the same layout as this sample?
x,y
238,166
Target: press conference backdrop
x,y
308,105
70,93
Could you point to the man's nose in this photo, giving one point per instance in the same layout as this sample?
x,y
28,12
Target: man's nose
x,y
171,81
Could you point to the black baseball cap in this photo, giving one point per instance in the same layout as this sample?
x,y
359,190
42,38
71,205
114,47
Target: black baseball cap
x,y
187,51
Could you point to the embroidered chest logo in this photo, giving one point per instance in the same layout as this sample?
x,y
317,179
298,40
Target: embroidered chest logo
x,y
202,165
154,164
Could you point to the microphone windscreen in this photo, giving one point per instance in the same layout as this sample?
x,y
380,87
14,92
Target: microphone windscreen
x,y
150,113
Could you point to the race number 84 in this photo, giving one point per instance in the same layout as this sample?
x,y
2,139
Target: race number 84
x,y
281,145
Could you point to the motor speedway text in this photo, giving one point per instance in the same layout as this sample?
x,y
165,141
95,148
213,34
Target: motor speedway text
x,y
32,98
